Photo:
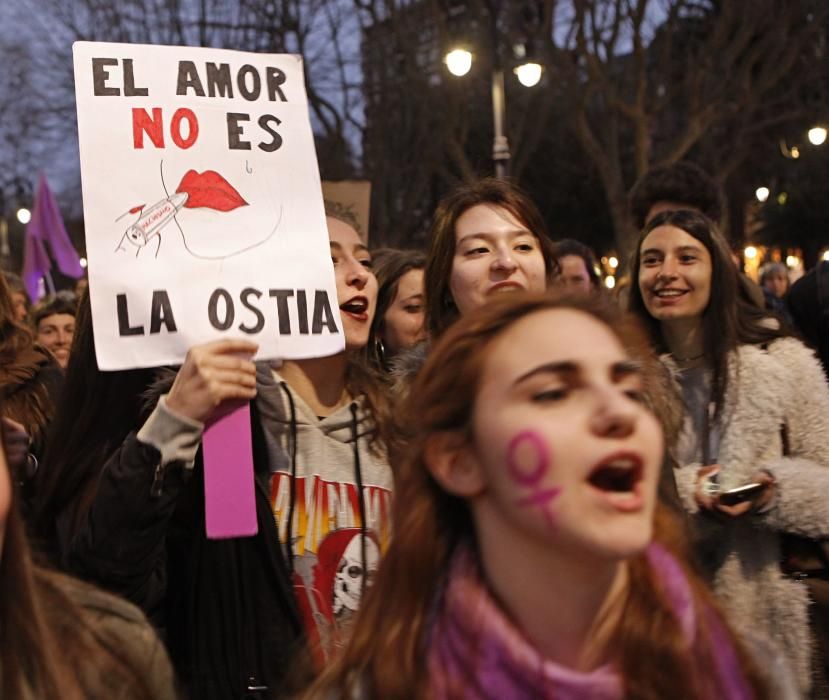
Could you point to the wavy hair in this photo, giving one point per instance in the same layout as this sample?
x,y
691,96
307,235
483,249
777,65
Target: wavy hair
x,y
14,336
386,657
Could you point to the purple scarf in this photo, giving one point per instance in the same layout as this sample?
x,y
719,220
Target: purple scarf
x,y
476,653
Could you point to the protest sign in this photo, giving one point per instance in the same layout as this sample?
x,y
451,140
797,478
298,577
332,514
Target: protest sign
x,y
349,200
202,203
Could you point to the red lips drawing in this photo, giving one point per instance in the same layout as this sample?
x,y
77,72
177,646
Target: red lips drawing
x,y
210,190
206,190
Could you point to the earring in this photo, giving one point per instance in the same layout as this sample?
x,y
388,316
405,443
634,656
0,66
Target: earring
x,y
380,352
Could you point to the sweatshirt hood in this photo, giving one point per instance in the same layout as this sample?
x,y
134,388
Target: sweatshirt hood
x,y
339,426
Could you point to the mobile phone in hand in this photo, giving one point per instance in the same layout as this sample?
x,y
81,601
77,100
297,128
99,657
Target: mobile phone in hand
x,y
741,494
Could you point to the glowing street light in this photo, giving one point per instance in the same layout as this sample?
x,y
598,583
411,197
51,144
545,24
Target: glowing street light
x,y
762,194
528,73
83,262
610,282
458,61
750,252
825,256
24,216
817,135
613,261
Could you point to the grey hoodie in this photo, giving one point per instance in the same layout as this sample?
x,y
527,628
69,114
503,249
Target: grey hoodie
x,y
336,536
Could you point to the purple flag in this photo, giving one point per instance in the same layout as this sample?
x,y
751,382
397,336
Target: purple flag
x,y
46,227
36,265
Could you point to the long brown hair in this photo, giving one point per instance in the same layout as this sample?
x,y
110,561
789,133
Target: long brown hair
x,y
386,657
441,311
14,336
27,373
48,646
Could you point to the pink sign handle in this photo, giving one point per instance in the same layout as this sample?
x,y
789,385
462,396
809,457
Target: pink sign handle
x,y
229,491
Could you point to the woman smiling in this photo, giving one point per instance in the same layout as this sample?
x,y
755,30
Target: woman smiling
x,y
754,449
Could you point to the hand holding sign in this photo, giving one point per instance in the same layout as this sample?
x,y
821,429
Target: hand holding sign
x,y
214,380
213,150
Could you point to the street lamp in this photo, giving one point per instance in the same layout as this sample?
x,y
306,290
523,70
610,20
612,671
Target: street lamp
x,y
529,74
459,62
817,135
762,194
24,216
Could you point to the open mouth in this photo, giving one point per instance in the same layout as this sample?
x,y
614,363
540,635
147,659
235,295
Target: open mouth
x,y
669,293
619,474
358,306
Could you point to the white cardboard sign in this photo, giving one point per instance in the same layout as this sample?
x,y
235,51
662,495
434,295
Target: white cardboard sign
x,y
202,204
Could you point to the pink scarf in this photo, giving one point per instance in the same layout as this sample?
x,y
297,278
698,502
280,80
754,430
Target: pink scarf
x,y
476,653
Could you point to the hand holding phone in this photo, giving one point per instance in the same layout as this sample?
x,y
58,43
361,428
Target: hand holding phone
x,y
741,494
749,497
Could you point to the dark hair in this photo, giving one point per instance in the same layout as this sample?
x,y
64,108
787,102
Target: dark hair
x,y
95,413
48,645
728,320
389,270
569,246
808,303
441,311
385,656
683,183
51,305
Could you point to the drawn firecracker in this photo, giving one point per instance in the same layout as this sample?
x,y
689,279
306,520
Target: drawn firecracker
x,y
208,190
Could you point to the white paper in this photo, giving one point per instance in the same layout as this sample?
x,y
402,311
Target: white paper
x,y
262,240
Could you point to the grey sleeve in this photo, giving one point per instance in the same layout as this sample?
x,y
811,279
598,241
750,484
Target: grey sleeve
x,y
176,437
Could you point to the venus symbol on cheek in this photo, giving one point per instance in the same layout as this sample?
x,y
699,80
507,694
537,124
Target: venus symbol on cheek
x,y
528,461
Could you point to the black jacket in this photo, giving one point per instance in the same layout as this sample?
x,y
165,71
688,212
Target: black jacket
x,y
225,607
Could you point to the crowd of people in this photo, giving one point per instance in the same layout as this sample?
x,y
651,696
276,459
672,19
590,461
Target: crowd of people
x,y
510,484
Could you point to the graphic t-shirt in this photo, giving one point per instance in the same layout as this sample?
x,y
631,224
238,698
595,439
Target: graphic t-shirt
x,y
332,561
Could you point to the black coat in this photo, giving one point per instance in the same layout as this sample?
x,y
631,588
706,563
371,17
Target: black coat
x,y
225,607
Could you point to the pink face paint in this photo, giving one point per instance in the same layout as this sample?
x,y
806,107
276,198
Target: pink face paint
x,y
528,461
530,464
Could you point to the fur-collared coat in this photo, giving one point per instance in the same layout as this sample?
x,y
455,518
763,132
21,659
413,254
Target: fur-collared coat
x,y
775,395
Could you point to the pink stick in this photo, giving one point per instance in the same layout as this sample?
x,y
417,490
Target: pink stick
x,y
229,496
